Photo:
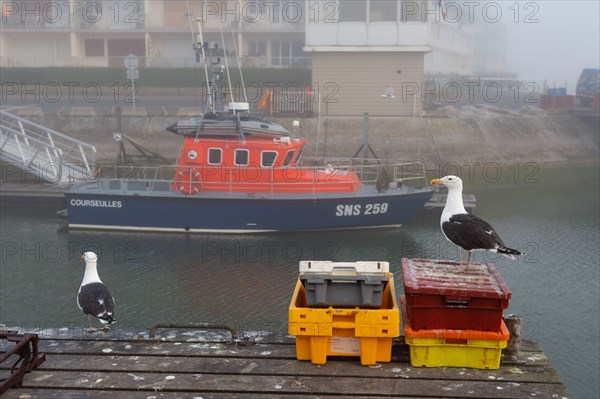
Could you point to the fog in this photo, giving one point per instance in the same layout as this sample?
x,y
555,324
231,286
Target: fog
x,y
557,41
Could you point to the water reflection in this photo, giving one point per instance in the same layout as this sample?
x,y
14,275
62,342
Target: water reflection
x,y
248,280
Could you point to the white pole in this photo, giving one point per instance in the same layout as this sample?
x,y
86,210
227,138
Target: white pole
x,y
208,83
226,64
318,123
132,88
237,55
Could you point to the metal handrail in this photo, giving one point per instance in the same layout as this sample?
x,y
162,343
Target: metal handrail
x,y
153,176
22,142
26,348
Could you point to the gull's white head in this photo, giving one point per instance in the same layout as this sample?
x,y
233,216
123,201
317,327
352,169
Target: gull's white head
x,y
89,257
450,181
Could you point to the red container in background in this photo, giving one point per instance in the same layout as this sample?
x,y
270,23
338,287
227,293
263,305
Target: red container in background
x,y
448,295
557,102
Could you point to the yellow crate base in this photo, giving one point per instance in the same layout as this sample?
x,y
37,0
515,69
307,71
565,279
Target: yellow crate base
x,y
455,356
364,333
318,348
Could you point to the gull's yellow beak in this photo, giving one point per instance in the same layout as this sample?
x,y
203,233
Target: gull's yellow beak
x,y
82,257
436,181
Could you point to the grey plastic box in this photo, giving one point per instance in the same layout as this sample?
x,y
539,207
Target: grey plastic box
x,y
361,290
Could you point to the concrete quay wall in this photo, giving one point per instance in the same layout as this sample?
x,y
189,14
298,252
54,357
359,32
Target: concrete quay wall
x,y
504,139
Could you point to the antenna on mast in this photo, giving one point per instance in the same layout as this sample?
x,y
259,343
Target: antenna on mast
x,y
226,64
237,55
199,45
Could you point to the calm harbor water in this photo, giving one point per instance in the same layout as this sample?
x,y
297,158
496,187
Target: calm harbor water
x,y
551,214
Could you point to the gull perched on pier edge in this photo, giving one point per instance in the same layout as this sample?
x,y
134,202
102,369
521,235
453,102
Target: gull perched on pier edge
x,y
93,297
465,230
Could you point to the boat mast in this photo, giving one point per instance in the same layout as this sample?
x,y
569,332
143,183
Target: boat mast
x,y
199,47
237,55
226,63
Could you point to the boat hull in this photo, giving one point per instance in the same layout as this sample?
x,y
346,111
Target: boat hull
x,y
177,213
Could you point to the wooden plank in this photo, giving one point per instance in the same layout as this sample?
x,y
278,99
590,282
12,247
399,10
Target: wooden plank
x,y
192,353
346,367
26,393
100,368
531,354
268,384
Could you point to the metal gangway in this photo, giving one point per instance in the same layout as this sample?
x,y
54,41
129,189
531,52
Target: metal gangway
x,y
43,152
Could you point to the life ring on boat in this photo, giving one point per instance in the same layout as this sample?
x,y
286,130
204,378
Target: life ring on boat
x,y
188,181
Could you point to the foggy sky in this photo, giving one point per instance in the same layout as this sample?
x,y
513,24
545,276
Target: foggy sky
x,y
563,41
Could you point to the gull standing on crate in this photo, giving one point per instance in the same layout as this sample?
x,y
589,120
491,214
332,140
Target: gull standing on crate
x,y
465,230
93,297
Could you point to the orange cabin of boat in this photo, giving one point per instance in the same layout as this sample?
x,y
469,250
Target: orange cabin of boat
x,y
256,165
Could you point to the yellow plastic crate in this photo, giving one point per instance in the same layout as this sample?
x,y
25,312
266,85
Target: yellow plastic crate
x,y
455,348
322,332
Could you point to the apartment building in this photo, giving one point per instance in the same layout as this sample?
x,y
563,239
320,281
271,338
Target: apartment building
x,y
39,33
452,49
368,55
358,50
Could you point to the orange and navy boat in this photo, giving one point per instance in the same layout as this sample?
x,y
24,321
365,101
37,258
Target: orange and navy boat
x,y
237,173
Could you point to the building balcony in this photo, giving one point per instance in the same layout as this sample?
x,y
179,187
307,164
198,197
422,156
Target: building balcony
x,y
155,22
34,23
244,62
151,62
374,36
180,22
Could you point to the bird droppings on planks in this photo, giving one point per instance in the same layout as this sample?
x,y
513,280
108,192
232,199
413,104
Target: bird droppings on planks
x,y
80,366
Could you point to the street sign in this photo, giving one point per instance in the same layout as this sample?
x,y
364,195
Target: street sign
x,y
131,61
133,74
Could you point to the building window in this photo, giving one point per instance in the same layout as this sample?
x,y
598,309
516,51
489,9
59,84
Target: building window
x,y
383,10
379,10
292,11
353,11
124,14
267,158
241,157
413,11
281,52
323,11
94,47
215,156
257,48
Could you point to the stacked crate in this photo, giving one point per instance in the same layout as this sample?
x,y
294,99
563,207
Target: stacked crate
x,y
344,309
452,313
557,98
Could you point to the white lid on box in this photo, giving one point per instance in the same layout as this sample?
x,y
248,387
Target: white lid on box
x,y
343,268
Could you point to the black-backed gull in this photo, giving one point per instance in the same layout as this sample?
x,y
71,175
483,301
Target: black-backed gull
x,y
465,230
93,297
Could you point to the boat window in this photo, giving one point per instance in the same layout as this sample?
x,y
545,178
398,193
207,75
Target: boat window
x,y
214,156
241,157
267,158
288,157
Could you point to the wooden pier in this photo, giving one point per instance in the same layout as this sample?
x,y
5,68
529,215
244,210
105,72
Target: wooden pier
x,y
117,365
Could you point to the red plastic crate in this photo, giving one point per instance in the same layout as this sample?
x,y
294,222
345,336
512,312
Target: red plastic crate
x,y
448,295
557,102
